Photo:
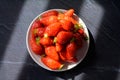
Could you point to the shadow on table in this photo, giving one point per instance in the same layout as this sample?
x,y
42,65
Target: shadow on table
x,y
9,13
101,62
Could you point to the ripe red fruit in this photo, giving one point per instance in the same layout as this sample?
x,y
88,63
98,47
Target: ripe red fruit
x,y
71,19
50,13
52,53
59,47
78,40
69,12
71,50
67,24
48,20
39,31
53,29
51,63
62,55
36,24
46,41
81,31
64,37
74,59
36,48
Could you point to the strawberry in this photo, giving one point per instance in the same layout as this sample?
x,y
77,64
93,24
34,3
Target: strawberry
x,y
62,55
53,29
82,33
71,50
59,47
71,19
78,40
52,53
48,20
36,24
46,41
36,48
74,59
39,31
51,63
69,12
50,13
67,24
61,16
64,37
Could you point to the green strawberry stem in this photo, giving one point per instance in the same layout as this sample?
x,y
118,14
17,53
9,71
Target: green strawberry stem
x,y
55,40
34,31
43,55
85,37
60,12
45,36
61,67
39,17
37,40
77,27
72,40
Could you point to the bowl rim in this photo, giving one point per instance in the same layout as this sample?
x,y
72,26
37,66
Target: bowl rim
x,y
29,51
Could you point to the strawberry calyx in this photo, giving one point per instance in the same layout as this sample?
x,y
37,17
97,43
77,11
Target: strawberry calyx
x,y
45,35
61,67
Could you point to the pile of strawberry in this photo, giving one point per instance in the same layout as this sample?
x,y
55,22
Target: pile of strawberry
x,y
57,36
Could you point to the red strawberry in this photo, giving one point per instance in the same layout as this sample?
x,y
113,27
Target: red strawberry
x,y
50,13
78,40
36,24
69,12
64,37
71,50
46,41
67,24
36,48
34,28
71,19
53,29
74,59
48,20
82,33
51,52
59,47
39,31
61,16
51,63
62,55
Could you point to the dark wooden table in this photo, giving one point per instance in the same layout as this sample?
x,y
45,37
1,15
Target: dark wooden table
x,y
102,18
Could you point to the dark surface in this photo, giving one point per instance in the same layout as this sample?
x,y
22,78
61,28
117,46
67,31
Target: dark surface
x,y
102,18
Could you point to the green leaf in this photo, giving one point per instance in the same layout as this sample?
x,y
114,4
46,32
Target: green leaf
x,y
60,12
61,67
37,40
34,31
77,26
55,40
45,36
85,37
39,17
72,40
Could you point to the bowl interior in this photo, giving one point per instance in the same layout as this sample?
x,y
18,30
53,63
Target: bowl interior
x,y
81,53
